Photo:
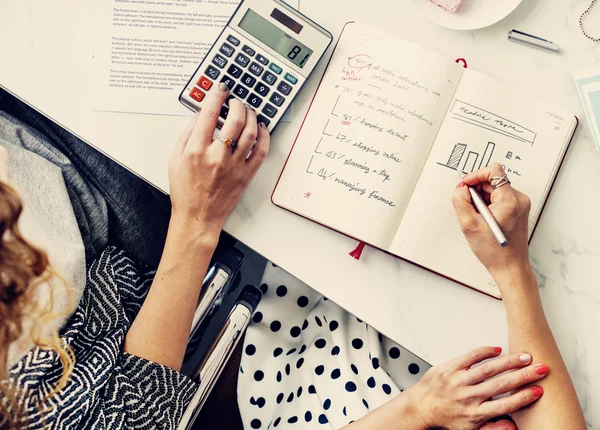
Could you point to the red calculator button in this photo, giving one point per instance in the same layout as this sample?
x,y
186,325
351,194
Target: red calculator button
x,y
197,95
204,83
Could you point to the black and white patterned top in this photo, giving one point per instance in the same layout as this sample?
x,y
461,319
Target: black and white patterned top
x,y
108,389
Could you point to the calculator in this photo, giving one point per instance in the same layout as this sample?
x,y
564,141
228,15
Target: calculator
x,y
265,54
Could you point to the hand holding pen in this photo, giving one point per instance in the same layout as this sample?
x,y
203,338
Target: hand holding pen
x,y
498,232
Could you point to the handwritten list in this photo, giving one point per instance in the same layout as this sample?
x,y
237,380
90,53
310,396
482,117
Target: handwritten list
x,y
367,135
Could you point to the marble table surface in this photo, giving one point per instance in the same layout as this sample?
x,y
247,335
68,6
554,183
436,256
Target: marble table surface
x,y
434,317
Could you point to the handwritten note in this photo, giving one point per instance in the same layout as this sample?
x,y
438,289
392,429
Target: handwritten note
x,y
368,134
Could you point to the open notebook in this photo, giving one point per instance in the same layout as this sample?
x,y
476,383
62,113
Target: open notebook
x,y
391,125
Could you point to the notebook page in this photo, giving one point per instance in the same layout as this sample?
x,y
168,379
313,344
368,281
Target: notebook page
x,y
367,134
487,122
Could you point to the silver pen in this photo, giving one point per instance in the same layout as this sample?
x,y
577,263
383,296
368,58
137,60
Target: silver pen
x,y
531,40
489,219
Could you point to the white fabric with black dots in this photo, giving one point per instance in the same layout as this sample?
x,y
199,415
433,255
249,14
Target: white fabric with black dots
x,y
308,363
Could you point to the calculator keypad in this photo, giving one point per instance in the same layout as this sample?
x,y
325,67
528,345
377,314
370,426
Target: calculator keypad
x,y
251,78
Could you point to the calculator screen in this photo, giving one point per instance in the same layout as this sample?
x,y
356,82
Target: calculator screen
x,y
275,38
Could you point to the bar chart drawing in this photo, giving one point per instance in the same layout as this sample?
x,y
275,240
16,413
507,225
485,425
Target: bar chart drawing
x,y
455,161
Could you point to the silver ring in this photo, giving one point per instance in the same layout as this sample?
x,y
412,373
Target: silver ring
x,y
230,143
500,181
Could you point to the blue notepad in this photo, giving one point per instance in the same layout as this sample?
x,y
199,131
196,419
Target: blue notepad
x,y
588,86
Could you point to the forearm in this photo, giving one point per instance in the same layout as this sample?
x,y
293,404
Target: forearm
x,y
399,413
528,330
161,330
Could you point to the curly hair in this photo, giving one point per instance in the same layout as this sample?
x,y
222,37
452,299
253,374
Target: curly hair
x,y
23,270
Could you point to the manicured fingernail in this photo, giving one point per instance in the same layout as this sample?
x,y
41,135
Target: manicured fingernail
x,y
498,349
262,125
460,184
249,107
537,391
223,86
524,358
541,369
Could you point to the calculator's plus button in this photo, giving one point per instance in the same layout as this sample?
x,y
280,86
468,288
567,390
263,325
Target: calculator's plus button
x,y
212,73
262,60
227,50
234,41
291,79
269,78
224,112
254,100
197,95
261,118
248,50
284,88
275,68
229,81
248,80
204,83
262,89
234,71
219,61
256,69
242,60
277,99
269,110
241,92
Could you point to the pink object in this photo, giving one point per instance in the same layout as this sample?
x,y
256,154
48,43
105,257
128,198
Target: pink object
x,y
449,5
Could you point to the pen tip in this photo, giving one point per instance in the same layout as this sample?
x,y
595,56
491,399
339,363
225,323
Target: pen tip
x,y
504,244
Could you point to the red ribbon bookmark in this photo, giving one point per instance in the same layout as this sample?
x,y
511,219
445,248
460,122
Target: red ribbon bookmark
x,y
358,251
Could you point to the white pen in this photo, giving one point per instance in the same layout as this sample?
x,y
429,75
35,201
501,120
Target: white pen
x,y
489,219
531,40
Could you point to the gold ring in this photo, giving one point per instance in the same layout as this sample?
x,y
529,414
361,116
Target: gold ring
x,y
227,141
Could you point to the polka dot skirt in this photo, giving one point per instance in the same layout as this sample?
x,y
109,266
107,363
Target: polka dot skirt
x,y
308,363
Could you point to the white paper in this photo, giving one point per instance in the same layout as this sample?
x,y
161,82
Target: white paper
x,y
367,135
146,51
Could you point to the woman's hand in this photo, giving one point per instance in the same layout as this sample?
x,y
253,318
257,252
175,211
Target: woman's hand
x,y
458,395
510,209
207,178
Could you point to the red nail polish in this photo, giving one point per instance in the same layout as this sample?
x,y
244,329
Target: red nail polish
x,y
537,391
498,349
541,369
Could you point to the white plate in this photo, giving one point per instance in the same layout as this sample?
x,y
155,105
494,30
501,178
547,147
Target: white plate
x,y
471,15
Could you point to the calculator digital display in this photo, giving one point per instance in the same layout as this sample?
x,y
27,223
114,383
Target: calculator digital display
x,y
275,38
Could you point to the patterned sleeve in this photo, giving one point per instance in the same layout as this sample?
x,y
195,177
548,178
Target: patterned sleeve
x,y
148,394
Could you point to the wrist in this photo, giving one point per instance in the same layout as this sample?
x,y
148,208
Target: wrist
x,y
193,234
408,413
517,278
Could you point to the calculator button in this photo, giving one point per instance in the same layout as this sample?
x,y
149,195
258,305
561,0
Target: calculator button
x,y
262,89
255,69
197,95
241,92
291,79
254,100
227,50
262,59
224,112
275,68
234,71
248,50
234,41
261,118
204,83
269,78
248,80
277,99
269,110
284,88
229,81
219,61
242,60
212,73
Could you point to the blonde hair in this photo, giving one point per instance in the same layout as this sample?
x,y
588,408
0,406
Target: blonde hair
x,y
23,269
